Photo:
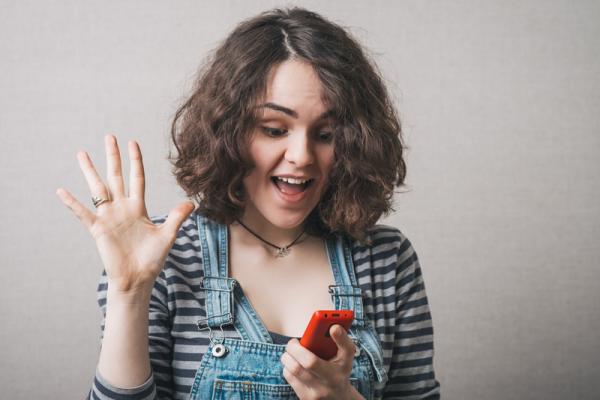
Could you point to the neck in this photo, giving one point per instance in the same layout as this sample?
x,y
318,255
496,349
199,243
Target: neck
x,y
276,235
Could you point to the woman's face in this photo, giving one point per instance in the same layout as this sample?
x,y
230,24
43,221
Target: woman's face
x,y
293,138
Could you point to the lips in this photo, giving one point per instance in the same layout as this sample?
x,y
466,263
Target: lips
x,y
291,193
291,188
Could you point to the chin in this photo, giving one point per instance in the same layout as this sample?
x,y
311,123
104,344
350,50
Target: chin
x,y
286,221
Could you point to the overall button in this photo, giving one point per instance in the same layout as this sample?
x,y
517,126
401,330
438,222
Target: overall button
x,y
219,350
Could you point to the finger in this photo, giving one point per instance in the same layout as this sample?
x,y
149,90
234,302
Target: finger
x,y
95,184
345,345
176,217
297,370
85,216
306,358
114,173
136,171
299,388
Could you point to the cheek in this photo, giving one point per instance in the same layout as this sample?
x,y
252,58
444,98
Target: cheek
x,y
251,180
264,154
259,165
328,161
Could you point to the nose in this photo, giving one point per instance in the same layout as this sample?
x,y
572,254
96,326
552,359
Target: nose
x,y
300,150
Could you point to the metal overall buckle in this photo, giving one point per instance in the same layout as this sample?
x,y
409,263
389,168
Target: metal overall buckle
x,y
216,339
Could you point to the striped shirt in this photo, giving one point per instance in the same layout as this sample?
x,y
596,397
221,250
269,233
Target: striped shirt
x,y
394,298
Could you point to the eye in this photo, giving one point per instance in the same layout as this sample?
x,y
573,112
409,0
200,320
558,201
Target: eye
x,y
274,132
325,136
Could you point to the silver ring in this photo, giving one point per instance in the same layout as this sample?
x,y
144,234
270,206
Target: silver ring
x,y
96,200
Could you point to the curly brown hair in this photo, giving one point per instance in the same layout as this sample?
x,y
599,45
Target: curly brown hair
x,y
212,129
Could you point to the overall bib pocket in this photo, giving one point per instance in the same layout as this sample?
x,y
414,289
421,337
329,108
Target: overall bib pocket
x,y
225,389
246,390
253,370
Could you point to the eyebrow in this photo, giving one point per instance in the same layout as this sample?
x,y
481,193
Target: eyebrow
x,y
291,112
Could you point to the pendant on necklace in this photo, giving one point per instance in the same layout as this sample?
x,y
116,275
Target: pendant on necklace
x,y
283,251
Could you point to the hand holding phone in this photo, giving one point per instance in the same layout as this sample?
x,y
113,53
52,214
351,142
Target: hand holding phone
x,y
316,337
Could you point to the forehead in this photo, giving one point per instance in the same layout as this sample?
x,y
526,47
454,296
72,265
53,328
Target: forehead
x,y
296,86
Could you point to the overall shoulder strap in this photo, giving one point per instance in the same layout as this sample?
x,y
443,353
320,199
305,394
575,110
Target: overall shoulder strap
x,y
219,288
345,293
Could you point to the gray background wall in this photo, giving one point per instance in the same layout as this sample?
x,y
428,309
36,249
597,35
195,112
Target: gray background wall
x,y
500,104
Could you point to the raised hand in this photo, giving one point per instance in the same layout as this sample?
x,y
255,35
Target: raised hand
x,y
133,249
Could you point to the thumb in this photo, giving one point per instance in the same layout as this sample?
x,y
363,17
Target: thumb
x,y
346,346
176,217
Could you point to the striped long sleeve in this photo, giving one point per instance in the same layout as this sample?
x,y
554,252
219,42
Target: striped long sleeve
x,y
411,368
394,296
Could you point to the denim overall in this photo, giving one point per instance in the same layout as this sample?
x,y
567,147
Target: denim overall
x,y
251,368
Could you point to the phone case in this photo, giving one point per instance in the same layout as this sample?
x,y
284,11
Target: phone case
x,y
316,337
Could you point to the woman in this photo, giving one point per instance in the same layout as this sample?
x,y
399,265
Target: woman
x,y
291,148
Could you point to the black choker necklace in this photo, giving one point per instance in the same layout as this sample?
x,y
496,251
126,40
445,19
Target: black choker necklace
x,y
281,251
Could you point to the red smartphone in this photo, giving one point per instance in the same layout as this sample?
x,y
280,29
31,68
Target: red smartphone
x,y
316,337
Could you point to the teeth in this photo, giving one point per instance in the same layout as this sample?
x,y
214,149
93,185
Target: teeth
x,y
293,181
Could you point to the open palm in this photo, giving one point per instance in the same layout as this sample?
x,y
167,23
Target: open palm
x,y
133,249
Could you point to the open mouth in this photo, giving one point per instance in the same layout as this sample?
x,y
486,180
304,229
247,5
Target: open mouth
x,y
291,188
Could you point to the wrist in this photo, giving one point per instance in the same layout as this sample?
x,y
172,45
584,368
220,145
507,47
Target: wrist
x,y
139,296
